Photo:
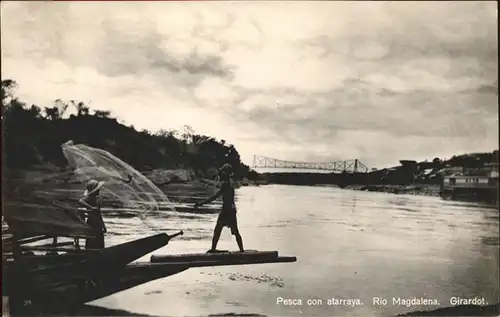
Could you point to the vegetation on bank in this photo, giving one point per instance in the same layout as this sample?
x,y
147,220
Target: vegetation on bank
x,y
33,135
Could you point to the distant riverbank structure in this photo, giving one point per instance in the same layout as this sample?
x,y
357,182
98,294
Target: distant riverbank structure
x,y
472,182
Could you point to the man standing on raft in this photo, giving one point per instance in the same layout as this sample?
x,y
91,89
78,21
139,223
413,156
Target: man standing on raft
x,y
227,217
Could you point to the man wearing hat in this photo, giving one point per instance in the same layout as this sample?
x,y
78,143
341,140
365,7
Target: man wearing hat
x,y
227,217
94,217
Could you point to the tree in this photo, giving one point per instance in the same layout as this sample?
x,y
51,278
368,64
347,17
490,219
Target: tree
x,y
8,85
61,106
81,108
52,113
166,133
35,111
436,160
188,133
102,114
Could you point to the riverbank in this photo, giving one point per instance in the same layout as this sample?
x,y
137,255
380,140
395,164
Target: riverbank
x,y
462,310
416,189
186,182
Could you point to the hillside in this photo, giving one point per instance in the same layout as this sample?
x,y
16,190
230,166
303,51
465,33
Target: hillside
x,y
432,172
33,135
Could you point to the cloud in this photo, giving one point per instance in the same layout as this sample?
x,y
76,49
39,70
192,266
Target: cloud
x,y
318,81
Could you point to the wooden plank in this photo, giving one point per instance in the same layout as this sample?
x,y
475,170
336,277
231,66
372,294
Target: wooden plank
x,y
7,247
49,260
250,254
49,245
55,249
5,306
47,264
34,239
225,262
7,256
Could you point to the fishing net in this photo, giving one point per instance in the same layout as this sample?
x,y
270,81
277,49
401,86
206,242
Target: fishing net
x,y
126,191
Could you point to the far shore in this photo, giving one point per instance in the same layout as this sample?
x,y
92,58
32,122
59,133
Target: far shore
x,y
186,180
414,189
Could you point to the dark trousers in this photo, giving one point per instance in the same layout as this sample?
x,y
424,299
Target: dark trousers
x,y
95,222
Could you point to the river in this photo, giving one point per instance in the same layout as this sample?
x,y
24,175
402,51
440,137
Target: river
x,y
349,245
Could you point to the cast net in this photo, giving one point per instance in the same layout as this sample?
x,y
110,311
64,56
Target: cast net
x,y
126,191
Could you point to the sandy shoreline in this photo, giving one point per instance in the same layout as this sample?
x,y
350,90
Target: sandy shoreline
x,y
462,310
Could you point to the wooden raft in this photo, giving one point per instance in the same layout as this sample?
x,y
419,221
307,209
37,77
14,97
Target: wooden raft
x,y
222,258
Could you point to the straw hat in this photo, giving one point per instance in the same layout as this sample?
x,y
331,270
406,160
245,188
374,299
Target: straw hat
x,y
226,169
92,187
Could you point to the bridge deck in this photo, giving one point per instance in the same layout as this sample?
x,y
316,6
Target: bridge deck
x,y
352,166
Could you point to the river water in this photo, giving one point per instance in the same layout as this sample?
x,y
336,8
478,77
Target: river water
x,y
349,245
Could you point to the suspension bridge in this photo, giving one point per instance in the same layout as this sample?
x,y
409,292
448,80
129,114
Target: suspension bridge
x,y
349,166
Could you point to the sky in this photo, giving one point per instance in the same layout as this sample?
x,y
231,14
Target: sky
x,y
298,81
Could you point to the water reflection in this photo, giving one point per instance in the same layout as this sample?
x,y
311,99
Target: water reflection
x,y
349,245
